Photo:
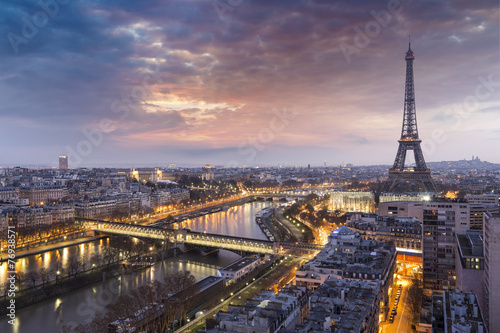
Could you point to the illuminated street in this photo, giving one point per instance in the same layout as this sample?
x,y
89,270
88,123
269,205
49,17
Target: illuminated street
x,y
401,320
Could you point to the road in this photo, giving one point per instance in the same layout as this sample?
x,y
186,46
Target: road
x,y
294,230
402,321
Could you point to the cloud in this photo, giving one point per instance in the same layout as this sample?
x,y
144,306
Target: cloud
x,y
192,81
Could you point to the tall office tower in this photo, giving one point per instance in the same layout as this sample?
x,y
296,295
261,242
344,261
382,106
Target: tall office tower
x,y
491,239
442,220
403,178
63,162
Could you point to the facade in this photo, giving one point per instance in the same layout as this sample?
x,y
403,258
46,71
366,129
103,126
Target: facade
x,y
483,199
456,311
401,209
476,214
27,217
442,221
352,201
179,194
135,187
105,207
62,212
205,174
4,222
266,312
159,199
239,269
9,193
491,234
347,256
404,232
343,306
63,162
95,208
43,194
469,264
144,175
417,196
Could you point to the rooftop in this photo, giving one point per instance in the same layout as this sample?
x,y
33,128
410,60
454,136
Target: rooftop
x,y
471,244
355,300
241,263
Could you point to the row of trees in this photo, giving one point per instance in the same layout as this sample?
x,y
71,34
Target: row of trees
x,y
153,307
44,232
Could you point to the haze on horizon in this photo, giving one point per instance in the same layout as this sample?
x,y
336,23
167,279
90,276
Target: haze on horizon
x,y
245,82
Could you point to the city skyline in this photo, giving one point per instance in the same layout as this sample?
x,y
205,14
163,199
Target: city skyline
x,y
248,84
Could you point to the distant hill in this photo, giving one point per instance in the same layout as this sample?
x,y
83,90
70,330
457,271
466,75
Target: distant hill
x,y
475,164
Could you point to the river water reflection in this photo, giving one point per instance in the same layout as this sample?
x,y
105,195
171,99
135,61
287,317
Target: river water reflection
x,y
79,306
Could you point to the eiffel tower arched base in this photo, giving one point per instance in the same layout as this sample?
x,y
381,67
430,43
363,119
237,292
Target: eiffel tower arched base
x,y
422,178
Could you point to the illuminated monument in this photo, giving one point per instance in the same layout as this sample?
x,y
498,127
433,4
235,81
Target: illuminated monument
x,y
417,178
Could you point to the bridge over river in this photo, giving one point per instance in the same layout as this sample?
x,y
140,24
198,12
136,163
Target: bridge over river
x,y
186,236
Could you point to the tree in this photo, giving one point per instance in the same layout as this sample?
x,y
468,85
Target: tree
x,y
322,213
74,266
183,286
45,274
294,209
5,289
33,276
142,307
311,197
95,260
414,299
21,278
309,208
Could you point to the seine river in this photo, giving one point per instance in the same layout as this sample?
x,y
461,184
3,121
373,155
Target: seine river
x,y
79,306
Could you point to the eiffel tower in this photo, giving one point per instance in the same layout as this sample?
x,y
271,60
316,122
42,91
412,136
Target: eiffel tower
x,y
399,175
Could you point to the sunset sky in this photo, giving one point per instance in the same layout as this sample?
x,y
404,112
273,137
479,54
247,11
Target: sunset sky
x,y
242,82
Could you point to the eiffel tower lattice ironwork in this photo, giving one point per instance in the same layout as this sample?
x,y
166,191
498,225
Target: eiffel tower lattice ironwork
x,y
399,174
